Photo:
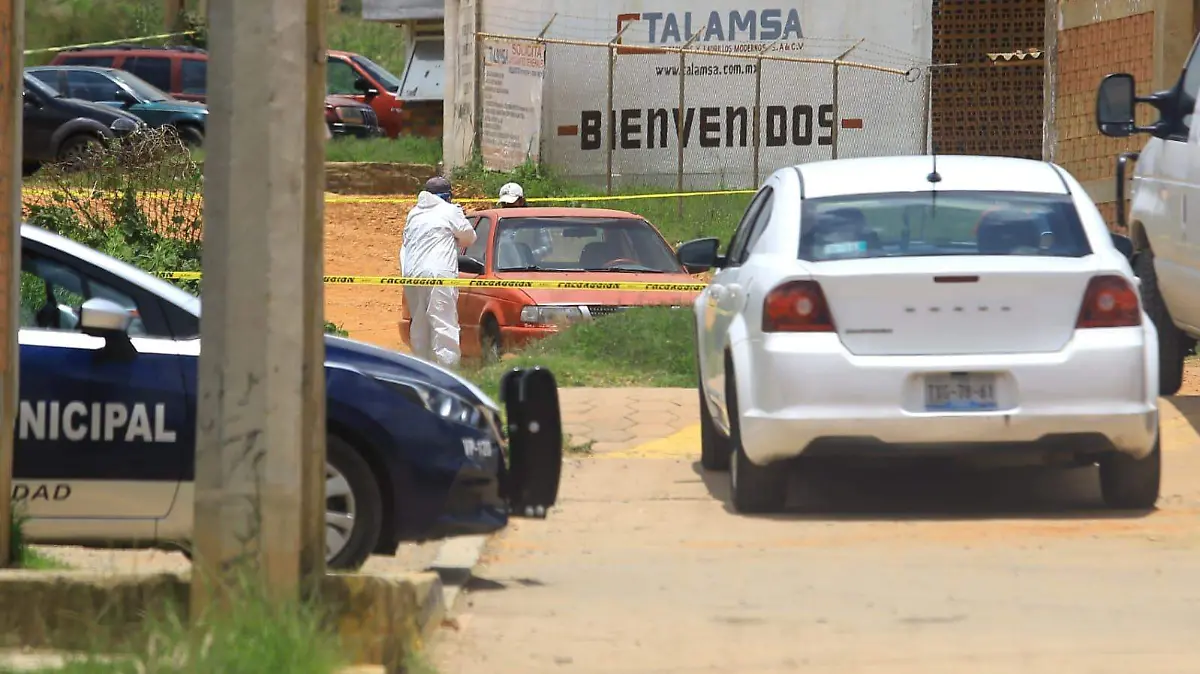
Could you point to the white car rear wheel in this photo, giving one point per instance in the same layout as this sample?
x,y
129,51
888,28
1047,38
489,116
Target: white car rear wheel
x,y
752,489
714,445
1131,484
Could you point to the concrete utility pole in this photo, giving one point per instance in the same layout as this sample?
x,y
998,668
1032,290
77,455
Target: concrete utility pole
x,y
312,527
12,36
257,327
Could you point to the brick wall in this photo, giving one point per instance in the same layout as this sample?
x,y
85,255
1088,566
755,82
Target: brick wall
x,y
977,107
1085,55
423,118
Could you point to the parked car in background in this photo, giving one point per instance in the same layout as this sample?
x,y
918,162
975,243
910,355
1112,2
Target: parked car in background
x,y
556,244
122,89
359,78
414,452
57,128
183,73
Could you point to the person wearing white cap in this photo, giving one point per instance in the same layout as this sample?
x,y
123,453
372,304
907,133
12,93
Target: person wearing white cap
x,y
433,233
512,196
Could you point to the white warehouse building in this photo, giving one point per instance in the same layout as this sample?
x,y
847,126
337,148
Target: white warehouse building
x,y
755,90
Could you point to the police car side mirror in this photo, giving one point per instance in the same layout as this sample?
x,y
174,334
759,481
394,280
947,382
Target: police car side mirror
x,y
103,318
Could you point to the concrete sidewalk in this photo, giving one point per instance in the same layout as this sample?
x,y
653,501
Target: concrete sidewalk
x,y
623,420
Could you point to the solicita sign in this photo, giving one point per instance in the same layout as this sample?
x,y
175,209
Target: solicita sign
x,y
798,119
511,118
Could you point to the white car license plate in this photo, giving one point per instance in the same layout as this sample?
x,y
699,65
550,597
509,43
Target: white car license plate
x,y
960,392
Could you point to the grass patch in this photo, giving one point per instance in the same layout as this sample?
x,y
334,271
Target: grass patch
x,y
582,448
383,43
650,346
261,635
402,150
59,23
32,559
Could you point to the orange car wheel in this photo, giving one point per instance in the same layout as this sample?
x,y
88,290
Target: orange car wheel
x,y
489,340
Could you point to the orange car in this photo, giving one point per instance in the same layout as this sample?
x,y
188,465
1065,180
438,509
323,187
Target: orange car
x,y
555,244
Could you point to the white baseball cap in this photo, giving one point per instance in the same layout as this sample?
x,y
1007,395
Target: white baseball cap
x,y
510,193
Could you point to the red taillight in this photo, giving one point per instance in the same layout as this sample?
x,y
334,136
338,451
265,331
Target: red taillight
x,y
1110,302
797,306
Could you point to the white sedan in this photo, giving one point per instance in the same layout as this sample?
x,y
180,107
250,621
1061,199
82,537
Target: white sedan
x,y
971,308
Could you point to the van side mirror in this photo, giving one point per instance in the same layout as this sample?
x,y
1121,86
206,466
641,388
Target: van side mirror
x,y
1115,101
700,255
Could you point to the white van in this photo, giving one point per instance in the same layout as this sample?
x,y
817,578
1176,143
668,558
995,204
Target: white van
x,y
1164,218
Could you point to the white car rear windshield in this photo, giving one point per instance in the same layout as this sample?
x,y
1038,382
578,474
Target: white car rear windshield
x,y
921,224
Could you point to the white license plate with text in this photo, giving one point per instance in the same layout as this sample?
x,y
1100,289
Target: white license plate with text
x,y
973,391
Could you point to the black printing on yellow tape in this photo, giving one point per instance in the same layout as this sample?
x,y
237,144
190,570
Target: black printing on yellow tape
x,y
485,283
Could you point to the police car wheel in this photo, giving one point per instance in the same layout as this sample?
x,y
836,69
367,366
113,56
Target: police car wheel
x,y
353,507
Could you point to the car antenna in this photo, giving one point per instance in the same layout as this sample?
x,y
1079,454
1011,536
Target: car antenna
x,y
934,178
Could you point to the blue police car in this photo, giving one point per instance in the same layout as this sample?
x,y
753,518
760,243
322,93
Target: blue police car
x,y
105,443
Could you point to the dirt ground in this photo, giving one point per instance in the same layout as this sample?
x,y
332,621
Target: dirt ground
x,y
642,568
364,240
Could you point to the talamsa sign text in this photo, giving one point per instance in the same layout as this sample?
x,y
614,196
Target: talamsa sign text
x,y
732,26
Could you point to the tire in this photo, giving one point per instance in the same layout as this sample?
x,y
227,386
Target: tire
x,y
489,341
752,489
365,504
714,445
191,136
1131,484
1173,344
74,149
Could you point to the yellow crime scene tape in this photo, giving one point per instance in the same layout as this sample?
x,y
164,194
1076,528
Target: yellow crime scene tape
x,y
359,199
106,43
333,279
331,198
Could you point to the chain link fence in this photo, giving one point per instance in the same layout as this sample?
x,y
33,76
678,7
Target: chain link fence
x,y
620,118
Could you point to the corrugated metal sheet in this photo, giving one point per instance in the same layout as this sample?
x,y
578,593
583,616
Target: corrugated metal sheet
x,y
1019,55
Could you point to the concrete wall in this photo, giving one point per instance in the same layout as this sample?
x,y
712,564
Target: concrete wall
x,y
887,113
458,112
1148,38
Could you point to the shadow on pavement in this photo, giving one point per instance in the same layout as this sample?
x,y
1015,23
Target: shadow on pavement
x,y
821,491
479,584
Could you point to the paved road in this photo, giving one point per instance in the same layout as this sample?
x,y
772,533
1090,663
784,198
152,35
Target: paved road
x,y
644,569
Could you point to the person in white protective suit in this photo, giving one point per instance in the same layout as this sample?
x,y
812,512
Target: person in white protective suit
x,y
434,232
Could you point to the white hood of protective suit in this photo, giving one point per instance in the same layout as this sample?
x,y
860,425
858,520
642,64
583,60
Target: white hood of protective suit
x,y
432,235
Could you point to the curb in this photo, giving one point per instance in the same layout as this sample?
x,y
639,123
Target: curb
x,y
455,562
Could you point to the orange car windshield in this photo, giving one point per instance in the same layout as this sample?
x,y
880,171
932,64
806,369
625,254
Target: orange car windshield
x,y
582,244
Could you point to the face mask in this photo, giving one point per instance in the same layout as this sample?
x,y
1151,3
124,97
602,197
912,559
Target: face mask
x,y
445,196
